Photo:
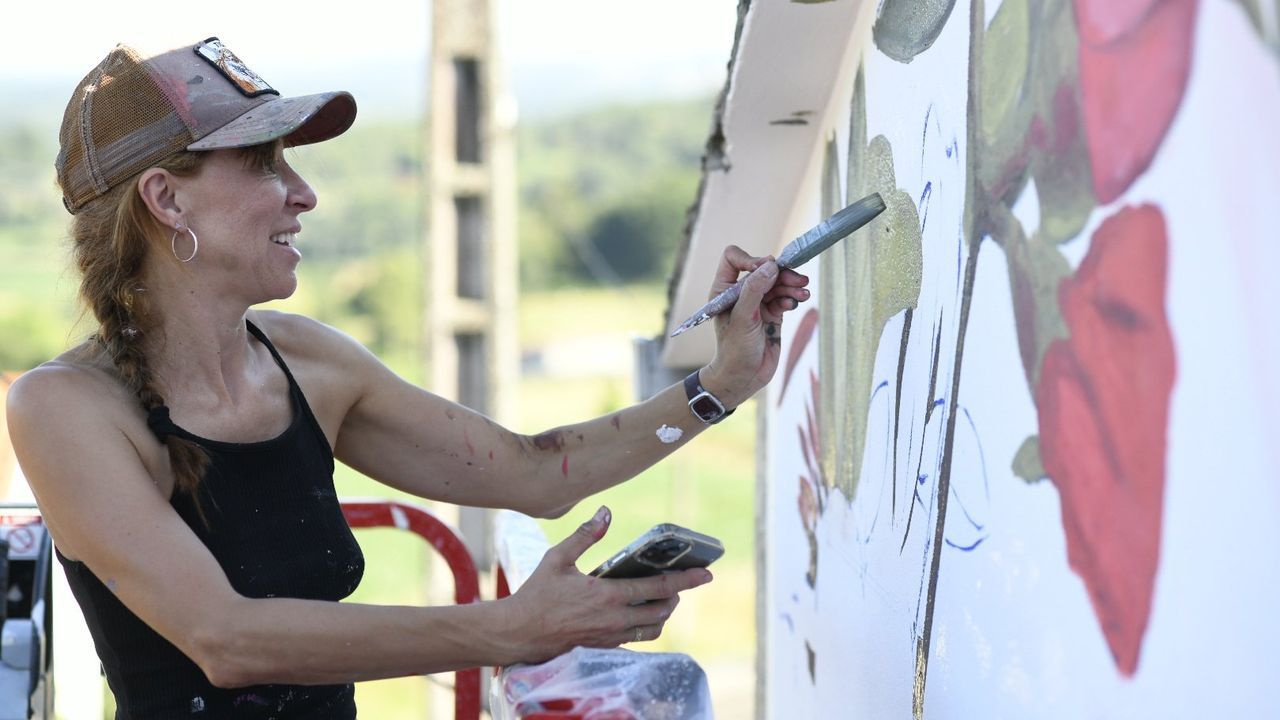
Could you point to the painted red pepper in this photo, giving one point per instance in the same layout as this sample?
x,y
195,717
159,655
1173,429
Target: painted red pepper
x,y
1135,56
1103,403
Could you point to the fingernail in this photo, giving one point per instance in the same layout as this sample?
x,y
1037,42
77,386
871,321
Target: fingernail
x,y
768,269
602,516
793,304
706,577
804,292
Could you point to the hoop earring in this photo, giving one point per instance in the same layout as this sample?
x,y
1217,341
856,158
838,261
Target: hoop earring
x,y
173,243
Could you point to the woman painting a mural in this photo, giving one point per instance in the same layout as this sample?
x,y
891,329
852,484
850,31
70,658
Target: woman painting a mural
x,y
183,456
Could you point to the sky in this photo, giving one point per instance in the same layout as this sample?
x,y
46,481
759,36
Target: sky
x,y
558,54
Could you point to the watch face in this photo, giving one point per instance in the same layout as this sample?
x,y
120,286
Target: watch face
x,y
706,407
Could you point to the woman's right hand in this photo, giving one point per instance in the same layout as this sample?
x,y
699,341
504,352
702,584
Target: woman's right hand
x,y
559,608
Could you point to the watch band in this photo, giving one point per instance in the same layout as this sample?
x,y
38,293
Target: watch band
x,y
702,403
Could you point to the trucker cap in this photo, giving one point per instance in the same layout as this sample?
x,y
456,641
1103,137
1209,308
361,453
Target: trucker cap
x,y
130,112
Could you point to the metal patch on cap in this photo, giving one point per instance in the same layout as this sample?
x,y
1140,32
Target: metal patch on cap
x,y
233,68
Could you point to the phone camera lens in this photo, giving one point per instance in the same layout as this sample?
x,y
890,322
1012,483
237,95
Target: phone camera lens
x,y
664,552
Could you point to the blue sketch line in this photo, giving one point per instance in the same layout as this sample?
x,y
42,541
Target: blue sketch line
x,y
966,548
924,136
880,501
982,457
954,493
923,206
976,525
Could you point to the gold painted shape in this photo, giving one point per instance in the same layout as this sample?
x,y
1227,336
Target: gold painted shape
x,y
862,285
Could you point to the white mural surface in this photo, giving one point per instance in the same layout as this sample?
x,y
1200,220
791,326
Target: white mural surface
x,y
1087,379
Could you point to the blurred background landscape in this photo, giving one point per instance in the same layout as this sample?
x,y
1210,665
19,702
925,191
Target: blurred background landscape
x,y
608,157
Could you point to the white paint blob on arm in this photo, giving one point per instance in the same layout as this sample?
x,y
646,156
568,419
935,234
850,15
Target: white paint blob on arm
x,y
669,435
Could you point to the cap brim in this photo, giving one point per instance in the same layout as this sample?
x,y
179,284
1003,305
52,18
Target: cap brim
x,y
299,120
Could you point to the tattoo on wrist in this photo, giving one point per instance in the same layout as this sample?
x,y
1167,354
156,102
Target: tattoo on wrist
x,y
772,334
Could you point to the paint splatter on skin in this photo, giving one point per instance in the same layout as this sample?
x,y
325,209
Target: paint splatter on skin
x,y
772,334
466,440
564,466
549,440
669,434
906,28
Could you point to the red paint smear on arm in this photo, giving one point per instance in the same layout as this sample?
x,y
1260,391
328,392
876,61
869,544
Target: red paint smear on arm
x,y
564,466
799,341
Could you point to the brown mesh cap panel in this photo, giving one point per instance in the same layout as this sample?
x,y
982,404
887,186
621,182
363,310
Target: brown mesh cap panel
x,y
117,124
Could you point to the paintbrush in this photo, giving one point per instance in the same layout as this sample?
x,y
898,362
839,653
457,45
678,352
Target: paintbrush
x,y
797,252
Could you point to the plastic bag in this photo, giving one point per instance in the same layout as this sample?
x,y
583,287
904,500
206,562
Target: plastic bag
x,y
595,684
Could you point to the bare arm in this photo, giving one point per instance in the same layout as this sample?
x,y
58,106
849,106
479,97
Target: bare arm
x,y
433,448
86,456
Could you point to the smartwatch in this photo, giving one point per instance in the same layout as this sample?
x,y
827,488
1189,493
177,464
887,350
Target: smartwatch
x,y
705,406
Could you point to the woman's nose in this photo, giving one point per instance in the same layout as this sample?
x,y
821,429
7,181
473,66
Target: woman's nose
x,y
301,197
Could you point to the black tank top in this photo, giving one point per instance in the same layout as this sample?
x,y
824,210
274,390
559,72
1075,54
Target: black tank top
x,y
277,530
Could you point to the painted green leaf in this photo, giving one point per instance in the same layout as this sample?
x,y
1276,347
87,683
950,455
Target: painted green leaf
x,y
1003,108
1059,155
1036,269
1257,11
1026,462
1004,69
906,28
1031,125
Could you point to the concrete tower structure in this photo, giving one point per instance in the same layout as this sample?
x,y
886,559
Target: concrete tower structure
x,y
470,254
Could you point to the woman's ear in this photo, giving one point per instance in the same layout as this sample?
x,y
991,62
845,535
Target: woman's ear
x,y
156,188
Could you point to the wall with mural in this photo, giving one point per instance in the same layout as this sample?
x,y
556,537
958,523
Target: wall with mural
x,y
1021,458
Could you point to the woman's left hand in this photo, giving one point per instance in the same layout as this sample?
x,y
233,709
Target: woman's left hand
x,y
749,337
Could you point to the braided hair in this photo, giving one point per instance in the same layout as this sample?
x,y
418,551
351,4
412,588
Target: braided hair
x,y
110,242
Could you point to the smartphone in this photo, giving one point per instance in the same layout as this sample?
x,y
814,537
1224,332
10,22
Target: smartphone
x,y
665,548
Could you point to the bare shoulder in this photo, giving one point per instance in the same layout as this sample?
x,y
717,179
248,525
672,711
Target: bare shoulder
x,y
308,339
333,369
75,382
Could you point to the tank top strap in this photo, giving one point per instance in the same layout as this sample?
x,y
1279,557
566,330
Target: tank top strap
x,y
162,426
255,331
294,389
